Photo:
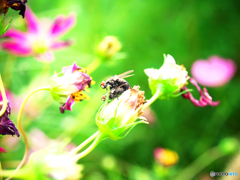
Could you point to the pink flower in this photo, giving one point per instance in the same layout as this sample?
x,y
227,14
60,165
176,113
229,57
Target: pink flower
x,y
214,72
70,83
40,39
2,150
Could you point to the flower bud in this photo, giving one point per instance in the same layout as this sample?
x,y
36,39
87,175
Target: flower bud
x,y
109,47
170,77
118,117
165,157
69,84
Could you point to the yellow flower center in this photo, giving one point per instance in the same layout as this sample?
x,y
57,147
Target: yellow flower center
x,y
40,46
79,96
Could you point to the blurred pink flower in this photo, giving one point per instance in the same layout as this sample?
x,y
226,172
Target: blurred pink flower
x,y
40,39
2,150
214,72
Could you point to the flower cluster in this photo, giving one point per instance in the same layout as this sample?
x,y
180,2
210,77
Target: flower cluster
x,y
70,83
40,40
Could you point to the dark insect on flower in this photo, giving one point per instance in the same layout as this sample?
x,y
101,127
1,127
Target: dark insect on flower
x,y
14,4
117,85
6,125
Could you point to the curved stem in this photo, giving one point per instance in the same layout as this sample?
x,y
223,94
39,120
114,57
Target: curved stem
x,y
21,129
90,148
4,97
200,163
154,97
93,65
74,151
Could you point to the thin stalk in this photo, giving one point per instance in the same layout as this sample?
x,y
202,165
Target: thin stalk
x,y
154,97
21,129
1,177
200,163
90,148
74,151
93,65
4,97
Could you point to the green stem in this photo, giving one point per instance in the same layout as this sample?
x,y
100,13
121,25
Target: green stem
x,y
74,151
154,97
200,163
1,176
90,148
4,97
21,129
93,65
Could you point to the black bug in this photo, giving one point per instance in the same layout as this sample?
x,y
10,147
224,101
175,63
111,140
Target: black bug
x,y
117,85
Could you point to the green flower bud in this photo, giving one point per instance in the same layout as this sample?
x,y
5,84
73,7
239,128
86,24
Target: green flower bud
x,y
170,78
109,47
229,145
117,118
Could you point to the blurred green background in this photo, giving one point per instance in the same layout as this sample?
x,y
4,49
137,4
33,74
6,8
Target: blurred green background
x,y
188,30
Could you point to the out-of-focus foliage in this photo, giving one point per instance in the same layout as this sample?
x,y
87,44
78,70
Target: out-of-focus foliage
x,y
188,30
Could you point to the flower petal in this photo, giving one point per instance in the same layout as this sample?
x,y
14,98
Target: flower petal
x,y
16,48
2,150
61,44
32,21
63,24
214,72
68,105
15,34
205,98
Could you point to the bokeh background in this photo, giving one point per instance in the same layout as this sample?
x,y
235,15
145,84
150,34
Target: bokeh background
x,y
188,30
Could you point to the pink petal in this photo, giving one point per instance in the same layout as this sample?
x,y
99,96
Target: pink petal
x,y
32,21
71,69
62,24
61,44
205,98
15,34
16,48
2,150
214,72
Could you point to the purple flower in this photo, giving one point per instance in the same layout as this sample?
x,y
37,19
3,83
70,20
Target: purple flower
x,y
14,4
214,72
41,39
6,125
70,83
205,98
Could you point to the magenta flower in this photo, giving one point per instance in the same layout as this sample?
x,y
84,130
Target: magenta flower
x,y
214,72
70,83
205,98
41,39
2,150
